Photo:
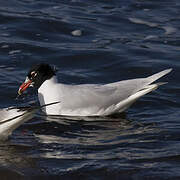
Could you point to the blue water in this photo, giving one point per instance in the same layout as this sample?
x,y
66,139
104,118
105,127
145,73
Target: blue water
x,y
118,40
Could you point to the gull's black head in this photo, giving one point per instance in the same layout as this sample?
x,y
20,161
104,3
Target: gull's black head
x,y
40,73
36,76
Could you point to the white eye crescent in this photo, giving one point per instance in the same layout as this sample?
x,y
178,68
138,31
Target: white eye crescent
x,y
33,74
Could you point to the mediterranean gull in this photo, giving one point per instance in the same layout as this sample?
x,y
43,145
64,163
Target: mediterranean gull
x,y
87,99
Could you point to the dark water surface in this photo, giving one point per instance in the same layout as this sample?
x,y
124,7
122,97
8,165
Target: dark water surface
x,y
118,40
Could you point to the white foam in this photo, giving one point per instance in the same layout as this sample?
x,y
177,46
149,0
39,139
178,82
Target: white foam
x,y
14,52
140,21
76,32
149,37
169,30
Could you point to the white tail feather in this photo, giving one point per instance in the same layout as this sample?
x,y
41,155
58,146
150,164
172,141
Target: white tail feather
x,y
156,76
125,104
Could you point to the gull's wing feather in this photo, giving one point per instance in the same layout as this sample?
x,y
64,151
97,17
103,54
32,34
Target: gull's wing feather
x,y
11,119
106,99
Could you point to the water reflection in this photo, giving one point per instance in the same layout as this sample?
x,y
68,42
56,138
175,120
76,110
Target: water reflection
x,y
60,145
70,139
14,161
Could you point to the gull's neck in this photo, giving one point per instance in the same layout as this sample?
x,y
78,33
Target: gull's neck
x,y
50,92
49,82
48,85
52,80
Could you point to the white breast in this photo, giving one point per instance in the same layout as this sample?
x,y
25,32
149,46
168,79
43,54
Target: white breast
x,y
49,93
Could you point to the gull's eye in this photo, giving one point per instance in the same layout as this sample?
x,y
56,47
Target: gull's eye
x,y
33,74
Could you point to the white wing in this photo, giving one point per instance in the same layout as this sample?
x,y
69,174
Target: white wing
x,y
109,98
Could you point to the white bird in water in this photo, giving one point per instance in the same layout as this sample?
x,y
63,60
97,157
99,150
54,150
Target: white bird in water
x,y
11,118
87,99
